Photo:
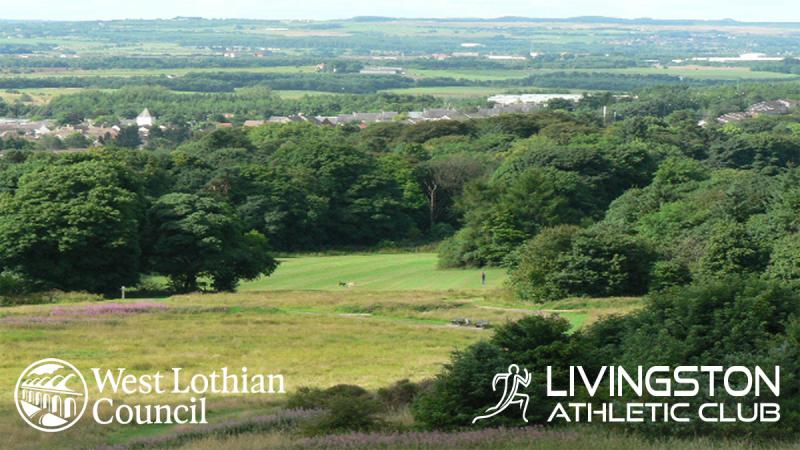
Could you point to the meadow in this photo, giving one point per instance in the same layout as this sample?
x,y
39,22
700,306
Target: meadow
x,y
392,324
451,91
720,73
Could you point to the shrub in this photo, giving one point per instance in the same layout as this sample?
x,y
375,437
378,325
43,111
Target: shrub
x,y
401,393
314,398
345,408
345,413
459,250
463,390
599,261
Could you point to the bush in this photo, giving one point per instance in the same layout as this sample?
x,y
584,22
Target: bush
x,y
463,390
345,413
315,398
401,393
459,250
17,290
346,408
13,285
441,231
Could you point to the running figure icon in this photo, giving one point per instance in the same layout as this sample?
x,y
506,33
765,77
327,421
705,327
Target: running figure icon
x,y
512,380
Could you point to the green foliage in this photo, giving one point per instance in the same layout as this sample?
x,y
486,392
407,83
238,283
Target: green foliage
x,y
730,321
534,271
74,225
345,408
502,215
784,264
128,137
730,250
76,140
669,273
191,236
401,393
463,390
600,261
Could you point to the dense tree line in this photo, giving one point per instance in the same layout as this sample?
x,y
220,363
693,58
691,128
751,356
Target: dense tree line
x,y
95,222
348,82
220,200
223,82
569,203
251,103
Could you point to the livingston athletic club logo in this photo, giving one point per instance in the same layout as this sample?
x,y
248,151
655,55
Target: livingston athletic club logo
x,y
51,395
512,380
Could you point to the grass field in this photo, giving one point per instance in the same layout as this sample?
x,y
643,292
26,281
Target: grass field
x,y
394,323
41,96
295,94
154,72
395,272
450,91
689,71
370,338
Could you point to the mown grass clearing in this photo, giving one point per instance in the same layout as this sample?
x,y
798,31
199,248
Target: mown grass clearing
x,y
395,272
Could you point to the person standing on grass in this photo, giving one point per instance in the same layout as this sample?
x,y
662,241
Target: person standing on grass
x,y
483,278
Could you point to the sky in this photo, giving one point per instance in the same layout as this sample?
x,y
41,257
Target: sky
x,y
749,10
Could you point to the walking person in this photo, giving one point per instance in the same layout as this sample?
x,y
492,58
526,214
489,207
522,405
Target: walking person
x,y
483,278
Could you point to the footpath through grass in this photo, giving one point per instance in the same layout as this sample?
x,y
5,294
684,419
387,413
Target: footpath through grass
x,y
381,272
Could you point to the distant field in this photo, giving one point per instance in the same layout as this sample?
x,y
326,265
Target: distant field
x,y
474,74
451,91
292,94
406,271
155,72
697,72
40,96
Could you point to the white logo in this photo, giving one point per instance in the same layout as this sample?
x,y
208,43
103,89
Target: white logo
x,y
51,395
512,380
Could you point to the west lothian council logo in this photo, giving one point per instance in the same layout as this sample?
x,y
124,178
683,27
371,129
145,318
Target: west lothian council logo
x,y
51,395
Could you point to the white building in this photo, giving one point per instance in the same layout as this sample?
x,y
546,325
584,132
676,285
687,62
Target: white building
x,y
144,119
507,99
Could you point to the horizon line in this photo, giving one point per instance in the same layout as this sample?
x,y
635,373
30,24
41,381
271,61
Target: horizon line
x,y
377,18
